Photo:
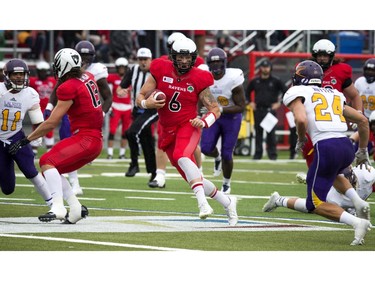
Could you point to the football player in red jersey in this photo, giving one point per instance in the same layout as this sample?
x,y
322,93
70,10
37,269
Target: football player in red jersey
x,y
121,107
337,75
78,96
43,83
184,86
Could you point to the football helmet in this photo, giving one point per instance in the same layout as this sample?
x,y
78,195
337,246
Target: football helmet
x,y
369,70
42,69
87,51
173,37
308,73
217,61
351,176
372,117
16,66
2,64
326,47
65,60
187,48
121,62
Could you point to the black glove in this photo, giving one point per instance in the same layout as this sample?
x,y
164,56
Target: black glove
x,y
46,114
14,147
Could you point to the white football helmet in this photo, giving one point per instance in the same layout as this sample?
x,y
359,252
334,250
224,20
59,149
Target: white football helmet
x,y
173,37
42,65
2,64
184,46
121,62
324,46
65,60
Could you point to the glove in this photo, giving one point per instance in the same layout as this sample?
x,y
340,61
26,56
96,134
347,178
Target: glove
x,y
300,144
37,142
46,114
14,147
362,158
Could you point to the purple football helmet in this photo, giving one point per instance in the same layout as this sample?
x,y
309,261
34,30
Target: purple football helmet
x,y
308,73
369,70
16,66
217,61
87,51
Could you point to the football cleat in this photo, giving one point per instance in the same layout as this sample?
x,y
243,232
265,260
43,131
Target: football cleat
x,y
225,189
271,203
301,178
217,168
364,211
205,211
360,232
157,182
231,211
56,213
76,214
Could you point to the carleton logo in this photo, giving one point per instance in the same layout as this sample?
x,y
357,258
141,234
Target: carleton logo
x,y
190,89
333,81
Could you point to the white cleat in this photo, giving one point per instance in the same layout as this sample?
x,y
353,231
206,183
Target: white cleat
x,y
217,168
76,213
363,212
271,203
301,178
231,211
360,232
205,211
76,188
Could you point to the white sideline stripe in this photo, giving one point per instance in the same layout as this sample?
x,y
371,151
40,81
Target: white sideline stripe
x,y
93,242
17,199
150,198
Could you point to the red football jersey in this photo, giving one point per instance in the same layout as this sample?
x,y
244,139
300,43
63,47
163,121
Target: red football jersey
x,y
44,89
336,75
182,91
86,111
115,80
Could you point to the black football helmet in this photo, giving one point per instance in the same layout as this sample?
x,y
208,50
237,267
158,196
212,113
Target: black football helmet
x,y
16,66
324,46
369,70
186,47
217,61
308,73
87,52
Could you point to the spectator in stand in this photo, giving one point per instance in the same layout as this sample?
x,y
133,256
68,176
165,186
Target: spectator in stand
x,y
140,131
17,99
121,108
268,90
43,83
120,44
230,95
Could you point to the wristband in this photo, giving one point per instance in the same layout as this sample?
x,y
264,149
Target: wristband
x,y
143,104
209,119
49,106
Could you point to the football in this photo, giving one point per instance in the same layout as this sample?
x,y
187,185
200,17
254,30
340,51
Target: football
x,y
159,95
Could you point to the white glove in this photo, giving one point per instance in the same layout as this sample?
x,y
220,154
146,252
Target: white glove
x,y
37,142
362,158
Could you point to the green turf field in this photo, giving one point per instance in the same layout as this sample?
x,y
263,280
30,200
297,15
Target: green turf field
x,y
127,215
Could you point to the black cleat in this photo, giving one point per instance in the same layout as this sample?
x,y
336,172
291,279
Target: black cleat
x,y
133,169
48,217
84,214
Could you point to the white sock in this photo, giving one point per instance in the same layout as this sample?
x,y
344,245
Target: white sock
x,y
53,180
281,201
199,193
160,172
353,196
122,151
218,158
41,187
226,181
66,187
300,205
349,219
211,191
110,151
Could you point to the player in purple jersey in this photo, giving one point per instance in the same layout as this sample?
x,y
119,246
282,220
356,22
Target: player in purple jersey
x,y
229,93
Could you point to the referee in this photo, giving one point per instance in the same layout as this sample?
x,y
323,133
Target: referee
x,y
140,131
268,90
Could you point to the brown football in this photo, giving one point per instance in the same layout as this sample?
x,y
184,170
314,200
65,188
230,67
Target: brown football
x,y
159,95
